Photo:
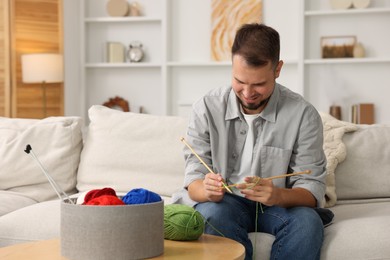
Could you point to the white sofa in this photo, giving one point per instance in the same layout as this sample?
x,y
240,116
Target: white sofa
x,y
128,150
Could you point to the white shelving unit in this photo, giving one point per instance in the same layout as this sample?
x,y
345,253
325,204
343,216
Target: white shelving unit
x,y
164,82
161,82
177,68
346,81
139,83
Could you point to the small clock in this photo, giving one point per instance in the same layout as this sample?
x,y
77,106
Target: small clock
x,y
135,52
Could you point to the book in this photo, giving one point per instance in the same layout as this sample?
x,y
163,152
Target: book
x,y
363,113
115,52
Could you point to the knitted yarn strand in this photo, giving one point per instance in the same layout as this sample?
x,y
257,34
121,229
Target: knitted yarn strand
x,y
182,223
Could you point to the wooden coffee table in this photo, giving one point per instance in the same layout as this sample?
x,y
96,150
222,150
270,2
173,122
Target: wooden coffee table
x,y
206,247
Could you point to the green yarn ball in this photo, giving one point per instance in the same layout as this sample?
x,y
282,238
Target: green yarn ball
x,y
182,222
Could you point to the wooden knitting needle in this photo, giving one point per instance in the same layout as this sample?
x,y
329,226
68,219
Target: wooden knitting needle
x,y
205,165
277,177
287,175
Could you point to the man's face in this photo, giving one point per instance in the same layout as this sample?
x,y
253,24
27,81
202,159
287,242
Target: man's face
x,y
253,86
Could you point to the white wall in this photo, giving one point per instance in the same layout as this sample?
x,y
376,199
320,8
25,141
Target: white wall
x,y
284,16
72,57
324,82
276,13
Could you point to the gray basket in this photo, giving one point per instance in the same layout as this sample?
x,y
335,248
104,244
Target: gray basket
x,y
112,232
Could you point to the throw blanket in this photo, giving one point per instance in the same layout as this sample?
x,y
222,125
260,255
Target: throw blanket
x,y
335,151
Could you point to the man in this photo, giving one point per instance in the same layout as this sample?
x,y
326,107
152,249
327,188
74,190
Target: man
x,y
257,127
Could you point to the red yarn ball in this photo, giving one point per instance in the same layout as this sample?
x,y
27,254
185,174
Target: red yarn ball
x,y
105,200
92,194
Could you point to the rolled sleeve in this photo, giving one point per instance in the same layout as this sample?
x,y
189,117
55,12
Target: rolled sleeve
x,y
315,188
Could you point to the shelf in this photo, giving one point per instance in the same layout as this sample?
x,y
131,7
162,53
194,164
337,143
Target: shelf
x,y
346,60
123,65
185,104
290,62
344,81
199,64
347,12
121,19
179,67
214,63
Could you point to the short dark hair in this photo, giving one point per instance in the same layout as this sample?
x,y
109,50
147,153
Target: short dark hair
x,y
258,44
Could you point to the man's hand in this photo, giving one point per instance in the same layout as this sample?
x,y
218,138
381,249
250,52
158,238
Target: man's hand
x,y
213,187
262,191
265,192
208,189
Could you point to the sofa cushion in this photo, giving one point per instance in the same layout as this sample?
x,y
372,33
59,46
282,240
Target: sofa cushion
x,y
365,173
57,143
359,231
36,222
262,244
125,150
11,201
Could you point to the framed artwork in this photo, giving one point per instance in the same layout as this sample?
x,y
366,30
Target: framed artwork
x,y
226,17
337,46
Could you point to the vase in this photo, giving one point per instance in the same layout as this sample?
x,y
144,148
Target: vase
x,y
358,50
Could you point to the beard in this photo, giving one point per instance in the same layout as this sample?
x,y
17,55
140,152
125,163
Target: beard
x,y
254,106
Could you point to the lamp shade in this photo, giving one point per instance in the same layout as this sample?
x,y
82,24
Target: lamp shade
x,y
42,67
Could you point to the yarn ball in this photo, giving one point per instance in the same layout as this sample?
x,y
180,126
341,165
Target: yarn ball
x,y
97,193
105,200
182,222
140,196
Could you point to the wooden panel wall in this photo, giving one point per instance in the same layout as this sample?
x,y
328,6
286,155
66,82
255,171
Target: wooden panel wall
x,y
36,27
5,76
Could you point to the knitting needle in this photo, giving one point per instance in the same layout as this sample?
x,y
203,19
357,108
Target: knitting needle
x,y
53,184
205,165
277,177
287,175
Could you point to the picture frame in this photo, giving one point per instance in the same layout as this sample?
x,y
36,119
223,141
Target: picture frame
x,y
337,46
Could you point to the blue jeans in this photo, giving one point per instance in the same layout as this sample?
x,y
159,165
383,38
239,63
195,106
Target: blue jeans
x,y
298,231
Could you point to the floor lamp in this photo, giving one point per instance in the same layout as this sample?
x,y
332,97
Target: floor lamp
x,y
42,68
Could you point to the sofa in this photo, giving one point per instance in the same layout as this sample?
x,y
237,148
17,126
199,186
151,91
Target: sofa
x,y
125,150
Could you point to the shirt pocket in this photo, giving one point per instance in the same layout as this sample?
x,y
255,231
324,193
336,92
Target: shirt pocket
x,y
274,161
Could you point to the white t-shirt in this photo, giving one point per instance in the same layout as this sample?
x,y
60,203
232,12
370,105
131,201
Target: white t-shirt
x,y
247,154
